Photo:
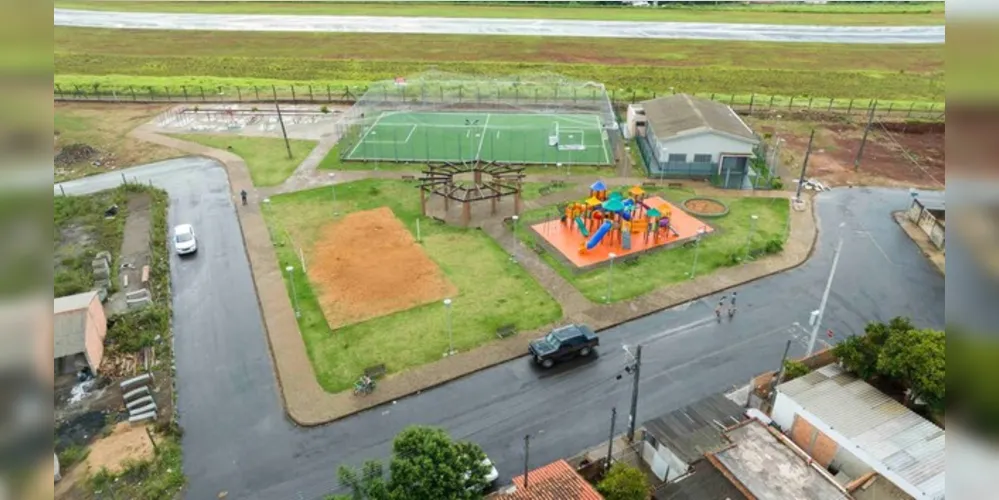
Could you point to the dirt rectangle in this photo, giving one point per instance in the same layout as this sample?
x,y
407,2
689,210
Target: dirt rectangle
x,y
369,265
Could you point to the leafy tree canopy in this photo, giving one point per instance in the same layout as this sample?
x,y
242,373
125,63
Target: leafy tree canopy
x,y
624,482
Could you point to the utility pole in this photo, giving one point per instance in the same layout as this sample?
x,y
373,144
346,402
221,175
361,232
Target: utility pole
x,y
610,441
780,371
825,294
863,142
634,394
287,145
804,166
527,454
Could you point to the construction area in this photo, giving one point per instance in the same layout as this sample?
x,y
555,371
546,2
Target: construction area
x,y
262,120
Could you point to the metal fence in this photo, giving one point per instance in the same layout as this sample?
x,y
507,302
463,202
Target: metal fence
x,y
345,94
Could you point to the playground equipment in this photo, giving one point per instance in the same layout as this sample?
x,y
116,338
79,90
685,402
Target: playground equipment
x,y
616,218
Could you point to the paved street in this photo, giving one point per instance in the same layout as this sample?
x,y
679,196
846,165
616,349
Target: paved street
x,y
238,440
523,27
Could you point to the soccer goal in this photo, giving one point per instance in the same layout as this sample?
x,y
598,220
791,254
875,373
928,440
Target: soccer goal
x,y
571,140
553,135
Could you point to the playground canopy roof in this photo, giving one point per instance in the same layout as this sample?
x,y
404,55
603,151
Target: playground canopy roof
x,y
598,186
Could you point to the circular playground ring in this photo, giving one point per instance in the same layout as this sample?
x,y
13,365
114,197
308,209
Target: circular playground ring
x,y
705,207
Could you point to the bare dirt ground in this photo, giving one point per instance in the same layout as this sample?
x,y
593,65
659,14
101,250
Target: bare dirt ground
x,y
896,154
704,206
125,442
92,138
368,265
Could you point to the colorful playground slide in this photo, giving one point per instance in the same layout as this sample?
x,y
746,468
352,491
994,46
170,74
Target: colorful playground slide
x,y
582,227
599,235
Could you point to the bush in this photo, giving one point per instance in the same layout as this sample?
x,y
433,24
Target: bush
x,y
794,369
324,109
776,183
624,482
72,455
772,246
132,331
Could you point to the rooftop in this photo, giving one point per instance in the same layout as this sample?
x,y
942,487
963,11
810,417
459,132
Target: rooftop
x,y
696,429
880,427
683,114
704,482
930,200
555,481
764,464
70,324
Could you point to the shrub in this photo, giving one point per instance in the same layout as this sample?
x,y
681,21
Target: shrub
x,y
324,109
624,482
794,369
134,330
72,455
777,183
774,245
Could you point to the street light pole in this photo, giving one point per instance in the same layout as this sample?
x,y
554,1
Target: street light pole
x,y
825,294
333,190
450,338
294,295
610,275
514,253
752,229
634,395
697,248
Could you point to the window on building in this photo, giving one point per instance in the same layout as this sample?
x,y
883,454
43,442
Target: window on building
x,y
677,158
702,158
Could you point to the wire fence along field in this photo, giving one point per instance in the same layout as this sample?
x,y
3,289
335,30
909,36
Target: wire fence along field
x,y
321,93
530,138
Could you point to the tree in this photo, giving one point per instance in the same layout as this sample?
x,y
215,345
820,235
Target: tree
x,y
624,482
859,354
794,369
426,463
917,359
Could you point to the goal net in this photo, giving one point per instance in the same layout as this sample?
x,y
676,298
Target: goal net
x,y
571,140
553,135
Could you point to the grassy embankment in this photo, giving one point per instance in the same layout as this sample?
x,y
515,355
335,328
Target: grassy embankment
x,y
135,60
881,14
266,158
492,291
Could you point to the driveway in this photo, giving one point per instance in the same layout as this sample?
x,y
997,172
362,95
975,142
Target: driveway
x,y
238,440
522,27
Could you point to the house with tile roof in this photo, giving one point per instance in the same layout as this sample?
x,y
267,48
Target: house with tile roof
x,y
555,481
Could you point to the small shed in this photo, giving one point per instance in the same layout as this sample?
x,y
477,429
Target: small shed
x,y
928,211
79,328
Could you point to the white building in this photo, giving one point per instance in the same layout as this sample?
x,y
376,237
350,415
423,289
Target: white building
x,y
850,427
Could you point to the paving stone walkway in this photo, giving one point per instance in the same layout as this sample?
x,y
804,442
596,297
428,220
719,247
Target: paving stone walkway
x,y
308,404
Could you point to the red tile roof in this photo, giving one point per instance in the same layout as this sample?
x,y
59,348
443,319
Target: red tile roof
x,y
555,481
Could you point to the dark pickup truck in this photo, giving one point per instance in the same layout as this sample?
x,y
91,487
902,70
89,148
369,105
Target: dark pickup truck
x,y
563,343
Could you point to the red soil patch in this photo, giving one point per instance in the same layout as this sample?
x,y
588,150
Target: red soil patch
x,y
702,206
368,265
896,154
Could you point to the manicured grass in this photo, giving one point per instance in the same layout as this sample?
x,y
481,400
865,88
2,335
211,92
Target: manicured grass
x,y
728,246
877,14
532,190
901,72
105,127
492,291
267,158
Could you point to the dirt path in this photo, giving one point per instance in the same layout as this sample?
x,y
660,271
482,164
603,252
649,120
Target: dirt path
x,y
134,251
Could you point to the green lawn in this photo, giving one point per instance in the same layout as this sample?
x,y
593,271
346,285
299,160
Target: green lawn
x,y
492,291
532,190
267,158
147,61
726,247
852,14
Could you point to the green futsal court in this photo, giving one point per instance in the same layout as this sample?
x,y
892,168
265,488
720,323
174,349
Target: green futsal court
x,y
530,138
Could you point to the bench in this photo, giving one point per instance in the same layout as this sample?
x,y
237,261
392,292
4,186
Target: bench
x,y
506,330
557,184
438,220
409,178
675,185
375,372
145,274
649,185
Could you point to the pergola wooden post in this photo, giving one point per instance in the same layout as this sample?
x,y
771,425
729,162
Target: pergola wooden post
x,y
439,179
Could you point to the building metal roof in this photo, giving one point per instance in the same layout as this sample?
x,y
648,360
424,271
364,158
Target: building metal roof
x,y
884,429
70,323
555,481
683,114
930,200
705,482
764,464
696,429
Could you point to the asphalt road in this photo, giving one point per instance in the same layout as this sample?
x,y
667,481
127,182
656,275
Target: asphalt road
x,y
476,26
238,440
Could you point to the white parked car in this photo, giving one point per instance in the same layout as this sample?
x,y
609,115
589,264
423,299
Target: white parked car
x,y
491,476
184,241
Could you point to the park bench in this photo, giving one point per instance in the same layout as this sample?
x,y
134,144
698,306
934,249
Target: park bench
x,y
409,178
649,185
675,185
506,330
438,220
557,184
375,372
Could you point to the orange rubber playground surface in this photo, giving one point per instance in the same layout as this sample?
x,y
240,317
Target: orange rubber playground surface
x,y
567,238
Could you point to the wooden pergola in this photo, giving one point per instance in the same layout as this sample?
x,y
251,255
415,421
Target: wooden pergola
x,y
439,179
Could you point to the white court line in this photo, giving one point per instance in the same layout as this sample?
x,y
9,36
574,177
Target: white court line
x,y
482,137
410,134
364,135
603,143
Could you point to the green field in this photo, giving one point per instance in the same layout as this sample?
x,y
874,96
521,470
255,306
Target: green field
x,y
266,158
851,14
500,137
492,291
157,59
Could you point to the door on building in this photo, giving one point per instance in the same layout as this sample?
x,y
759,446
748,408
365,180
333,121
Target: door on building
x,y
733,172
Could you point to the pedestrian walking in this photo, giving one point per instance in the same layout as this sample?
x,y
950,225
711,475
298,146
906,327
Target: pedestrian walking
x,y
242,195
733,298
719,309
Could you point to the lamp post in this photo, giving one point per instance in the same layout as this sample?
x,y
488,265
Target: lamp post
x,y
697,248
514,253
333,190
610,275
752,229
817,315
294,296
450,338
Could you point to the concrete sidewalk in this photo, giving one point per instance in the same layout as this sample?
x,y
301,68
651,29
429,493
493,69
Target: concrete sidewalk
x,y
308,404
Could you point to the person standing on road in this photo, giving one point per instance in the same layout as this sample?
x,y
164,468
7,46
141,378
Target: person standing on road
x,y
720,308
242,195
731,309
